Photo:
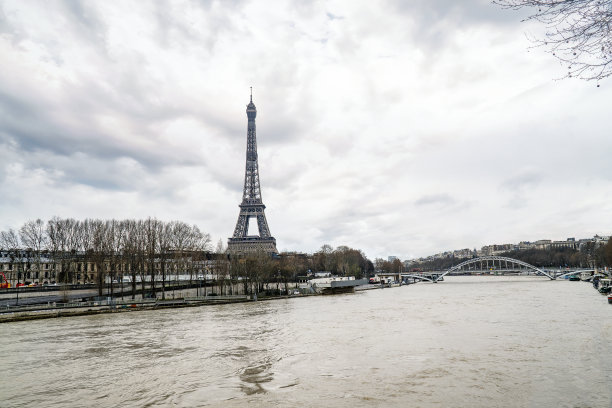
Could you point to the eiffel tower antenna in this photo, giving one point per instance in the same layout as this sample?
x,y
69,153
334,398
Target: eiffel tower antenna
x,y
252,205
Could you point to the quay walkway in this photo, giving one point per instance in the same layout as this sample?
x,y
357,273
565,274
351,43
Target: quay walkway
x,y
34,312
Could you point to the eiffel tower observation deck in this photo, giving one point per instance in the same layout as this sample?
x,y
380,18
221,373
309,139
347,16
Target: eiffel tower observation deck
x,y
252,206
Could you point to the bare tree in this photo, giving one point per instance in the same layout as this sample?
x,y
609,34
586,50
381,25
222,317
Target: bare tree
x,y
83,237
98,249
181,240
237,271
73,233
114,240
164,240
221,269
59,233
150,229
199,246
131,253
109,249
33,236
578,33
53,243
9,242
288,267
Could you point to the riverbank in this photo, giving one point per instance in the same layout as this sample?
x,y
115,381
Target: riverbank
x,y
117,306
187,297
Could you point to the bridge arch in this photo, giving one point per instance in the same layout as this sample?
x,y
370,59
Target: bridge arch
x,y
494,258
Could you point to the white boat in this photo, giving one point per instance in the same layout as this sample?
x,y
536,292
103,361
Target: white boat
x,y
336,284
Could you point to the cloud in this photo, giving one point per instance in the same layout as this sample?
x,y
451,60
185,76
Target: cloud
x,y
442,199
527,179
400,128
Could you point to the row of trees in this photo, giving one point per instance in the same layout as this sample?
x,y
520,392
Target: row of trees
x,y
394,266
99,249
342,261
261,273
149,251
591,256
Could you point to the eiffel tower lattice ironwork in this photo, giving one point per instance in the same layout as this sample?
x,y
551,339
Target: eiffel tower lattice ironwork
x,y
252,206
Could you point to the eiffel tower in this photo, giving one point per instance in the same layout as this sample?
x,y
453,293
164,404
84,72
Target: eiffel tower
x,y
252,206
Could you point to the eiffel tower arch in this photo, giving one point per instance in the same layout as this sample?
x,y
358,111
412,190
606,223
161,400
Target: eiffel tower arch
x,y
252,208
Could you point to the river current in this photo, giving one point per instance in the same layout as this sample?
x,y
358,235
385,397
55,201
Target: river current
x,y
465,342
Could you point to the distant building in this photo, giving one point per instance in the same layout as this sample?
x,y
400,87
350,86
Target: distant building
x,y
564,244
495,249
524,245
542,244
463,253
22,266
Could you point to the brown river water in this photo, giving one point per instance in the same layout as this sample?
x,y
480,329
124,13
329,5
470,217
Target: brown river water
x,y
465,342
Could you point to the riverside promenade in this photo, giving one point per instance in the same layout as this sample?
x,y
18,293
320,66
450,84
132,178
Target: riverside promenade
x,y
82,301
35,312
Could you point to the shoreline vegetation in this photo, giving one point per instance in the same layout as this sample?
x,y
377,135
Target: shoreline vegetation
x,y
65,251
151,252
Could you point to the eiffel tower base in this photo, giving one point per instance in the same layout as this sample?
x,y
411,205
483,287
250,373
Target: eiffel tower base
x,y
246,245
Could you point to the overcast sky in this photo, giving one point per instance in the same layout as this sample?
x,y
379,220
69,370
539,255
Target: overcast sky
x,y
397,127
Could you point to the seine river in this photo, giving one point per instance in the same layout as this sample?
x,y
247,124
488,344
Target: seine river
x,y
465,342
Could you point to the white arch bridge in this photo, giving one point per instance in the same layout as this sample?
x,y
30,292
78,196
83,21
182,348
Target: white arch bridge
x,y
486,263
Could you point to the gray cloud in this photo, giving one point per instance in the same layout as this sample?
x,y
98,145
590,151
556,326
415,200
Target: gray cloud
x,y
390,127
333,16
522,181
464,13
87,24
435,199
